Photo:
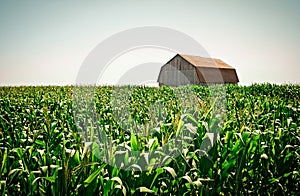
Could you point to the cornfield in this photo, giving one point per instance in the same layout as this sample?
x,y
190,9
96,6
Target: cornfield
x,y
51,146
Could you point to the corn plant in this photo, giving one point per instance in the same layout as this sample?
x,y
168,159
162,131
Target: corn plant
x,y
51,146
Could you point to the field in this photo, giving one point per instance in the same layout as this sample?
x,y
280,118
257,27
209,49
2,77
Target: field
x,y
154,141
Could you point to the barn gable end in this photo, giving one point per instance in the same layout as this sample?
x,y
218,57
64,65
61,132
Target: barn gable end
x,y
177,72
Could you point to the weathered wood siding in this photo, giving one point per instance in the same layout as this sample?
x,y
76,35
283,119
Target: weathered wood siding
x,y
178,72
210,75
230,76
215,75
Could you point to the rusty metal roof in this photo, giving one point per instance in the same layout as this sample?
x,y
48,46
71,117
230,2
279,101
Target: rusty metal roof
x,y
205,62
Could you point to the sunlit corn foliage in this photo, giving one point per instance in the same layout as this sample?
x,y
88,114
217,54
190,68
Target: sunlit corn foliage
x,y
51,146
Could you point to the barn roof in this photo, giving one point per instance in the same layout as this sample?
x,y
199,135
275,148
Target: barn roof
x,y
205,62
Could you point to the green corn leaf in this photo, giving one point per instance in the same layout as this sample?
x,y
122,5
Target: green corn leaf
x,y
94,175
4,156
133,142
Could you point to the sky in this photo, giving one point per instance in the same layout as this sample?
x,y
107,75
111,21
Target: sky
x,y
46,42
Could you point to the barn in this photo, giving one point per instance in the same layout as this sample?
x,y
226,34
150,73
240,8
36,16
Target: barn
x,y
187,69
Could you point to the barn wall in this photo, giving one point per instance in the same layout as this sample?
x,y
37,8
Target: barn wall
x,y
178,72
230,76
213,75
210,75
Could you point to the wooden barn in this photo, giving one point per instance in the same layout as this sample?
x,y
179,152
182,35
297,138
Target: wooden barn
x,y
187,69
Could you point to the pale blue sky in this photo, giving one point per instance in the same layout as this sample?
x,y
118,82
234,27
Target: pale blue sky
x,y
46,42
